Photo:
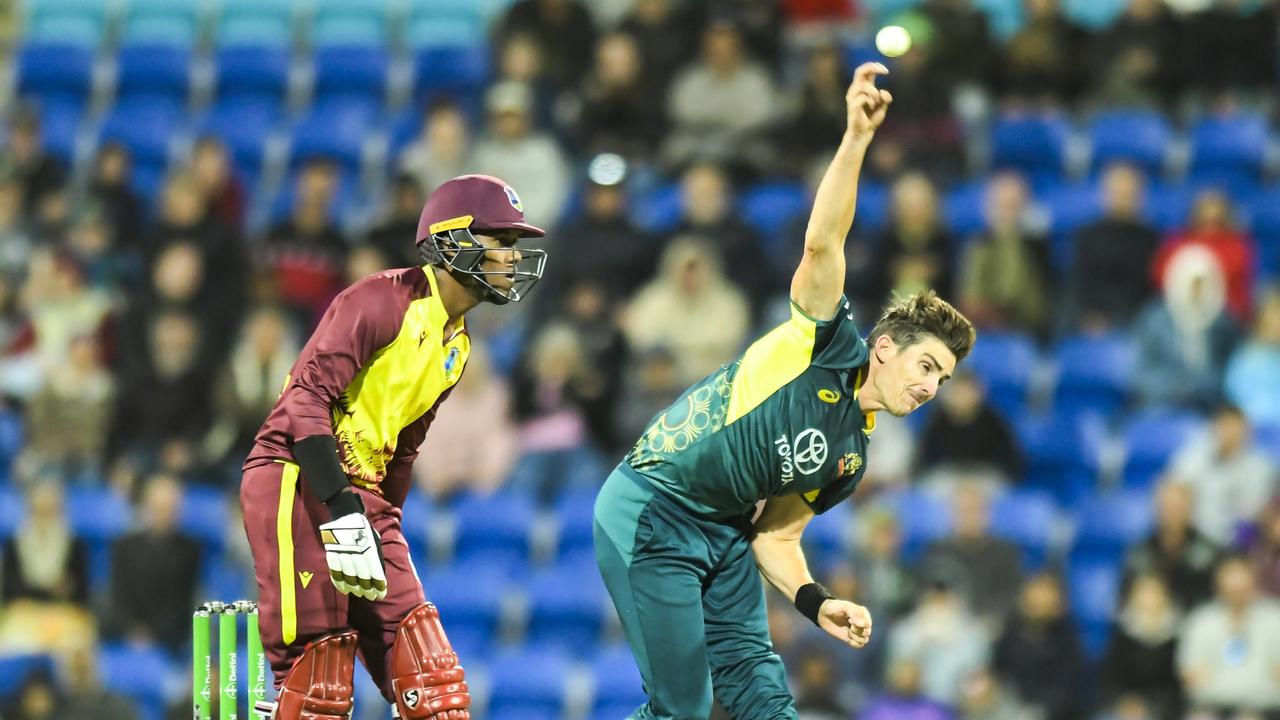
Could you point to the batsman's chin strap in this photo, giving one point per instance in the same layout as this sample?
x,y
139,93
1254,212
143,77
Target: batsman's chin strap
x,y
317,457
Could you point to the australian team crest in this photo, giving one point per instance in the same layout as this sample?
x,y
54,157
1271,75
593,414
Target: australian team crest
x,y
451,363
849,464
513,197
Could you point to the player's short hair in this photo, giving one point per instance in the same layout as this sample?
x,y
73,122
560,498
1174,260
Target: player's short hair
x,y
907,320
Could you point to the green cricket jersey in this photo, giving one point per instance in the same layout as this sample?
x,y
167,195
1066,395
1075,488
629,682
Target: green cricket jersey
x,y
783,418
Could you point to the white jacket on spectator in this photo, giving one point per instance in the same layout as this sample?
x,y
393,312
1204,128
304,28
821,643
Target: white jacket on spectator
x,y
1237,663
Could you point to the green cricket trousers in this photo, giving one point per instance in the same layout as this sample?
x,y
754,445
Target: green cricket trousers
x,y
691,603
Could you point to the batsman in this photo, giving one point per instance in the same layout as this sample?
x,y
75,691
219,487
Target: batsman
x,y
787,423
323,487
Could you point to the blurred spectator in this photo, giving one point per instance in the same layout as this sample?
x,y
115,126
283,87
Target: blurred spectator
x,y
966,438
963,50
1175,551
652,384
1039,652
1041,61
1005,274
667,35
602,245
815,116
1112,255
1229,653
817,688
914,253
92,241
905,696
587,311
520,61
885,584
690,308
42,174
564,30
1256,364
154,569
706,193
396,230
1213,227
109,184
530,161
985,697
68,419
249,383
224,194
43,561
891,462
1135,60
442,149
169,400
1131,707
461,458
1225,41
720,106
1230,477
760,22
86,699
1185,340
305,253
943,638
1140,656
618,114
36,699
985,570
1265,550
15,236
61,305
555,386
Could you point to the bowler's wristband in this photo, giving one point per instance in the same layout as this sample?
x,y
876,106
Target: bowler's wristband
x,y
317,457
809,599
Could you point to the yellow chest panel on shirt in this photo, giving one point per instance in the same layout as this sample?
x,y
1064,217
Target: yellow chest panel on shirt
x,y
399,384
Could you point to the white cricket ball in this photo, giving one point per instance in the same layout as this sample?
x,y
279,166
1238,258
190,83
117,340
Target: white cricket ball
x,y
893,41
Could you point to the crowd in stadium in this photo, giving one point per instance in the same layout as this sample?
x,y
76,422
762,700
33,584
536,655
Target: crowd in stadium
x,y
1086,523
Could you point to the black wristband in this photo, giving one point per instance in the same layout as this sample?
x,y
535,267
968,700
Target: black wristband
x,y
809,599
317,457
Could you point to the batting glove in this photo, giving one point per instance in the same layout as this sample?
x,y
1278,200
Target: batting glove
x,y
354,552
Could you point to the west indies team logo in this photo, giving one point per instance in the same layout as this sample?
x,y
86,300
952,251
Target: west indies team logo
x,y
513,197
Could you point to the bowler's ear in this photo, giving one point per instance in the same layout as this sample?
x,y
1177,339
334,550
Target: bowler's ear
x,y
884,347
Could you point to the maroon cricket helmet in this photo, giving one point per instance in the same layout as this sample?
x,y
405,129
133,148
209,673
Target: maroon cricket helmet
x,y
476,203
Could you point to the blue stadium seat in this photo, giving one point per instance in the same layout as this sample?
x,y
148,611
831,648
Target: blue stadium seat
x,y
770,208
205,515
11,440
1004,362
1264,216
97,514
56,70
658,209
470,600
402,129
255,22
350,22
168,22
1028,518
252,74
154,71
1093,14
140,673
829,536
443,23
460,71
963,208
351,74
872,212
567,607
336,131
1094,591
1169,205
146,127
1070,208
922,517
1152,438
418,512
1229,145
528,683
494,529
1004,16
1267,438
1094,373
1062,453
618,687
1035,145
244,129
16,670
75,22
60,122
1110,523
1141,137
346,201
575,509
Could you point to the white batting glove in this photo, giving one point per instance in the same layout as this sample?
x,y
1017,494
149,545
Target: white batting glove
x,y
353,550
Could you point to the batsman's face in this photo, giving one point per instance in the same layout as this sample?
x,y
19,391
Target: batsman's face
x,y
501,257
910,375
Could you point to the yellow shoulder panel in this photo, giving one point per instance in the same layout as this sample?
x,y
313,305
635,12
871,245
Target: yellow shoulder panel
x,y
771,362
